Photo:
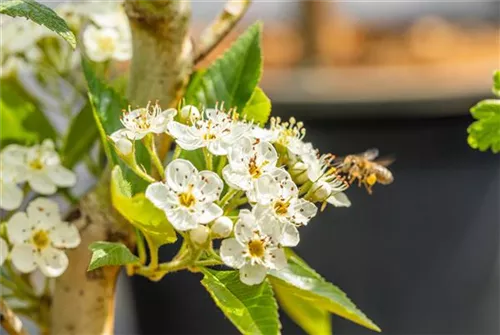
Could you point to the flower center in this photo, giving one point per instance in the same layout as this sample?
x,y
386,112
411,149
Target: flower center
x,y
187,199
281,207
254,169
256,248
36,164
106,44
40,239
209,136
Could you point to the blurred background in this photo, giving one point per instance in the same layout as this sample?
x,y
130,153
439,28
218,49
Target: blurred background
x,y
420,256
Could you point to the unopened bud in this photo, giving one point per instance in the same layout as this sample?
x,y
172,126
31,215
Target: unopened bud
x,y
188,112
299,173
122,144
222,227
199,235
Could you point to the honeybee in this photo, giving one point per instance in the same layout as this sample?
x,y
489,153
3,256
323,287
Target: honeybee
x,y
364,168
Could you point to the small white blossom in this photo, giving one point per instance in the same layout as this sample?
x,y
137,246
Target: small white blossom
x,y
139,122
247,163
122,143
222,226
216,130
102,44
289,135
4,251
39,236
187,196
327,185
278,196
256,248
44,171
11,165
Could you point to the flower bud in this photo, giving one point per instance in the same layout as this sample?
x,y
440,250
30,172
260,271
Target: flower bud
x,y
199,235
122,144
222,227
188,112
299,173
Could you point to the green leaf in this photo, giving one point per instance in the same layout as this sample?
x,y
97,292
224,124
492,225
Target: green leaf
x,y
258,107
484,133
139,211
496,83
252,309
40,14
110,254
313,319
21,120
107,106
82,134
232,78
312,287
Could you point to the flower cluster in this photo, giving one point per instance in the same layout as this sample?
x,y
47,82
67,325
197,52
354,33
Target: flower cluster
x,y
258,187
39,166
35,238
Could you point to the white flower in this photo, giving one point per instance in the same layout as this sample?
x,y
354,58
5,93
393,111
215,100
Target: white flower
x,y
256,248
42,167
4,251
102,44
216,130
289,135
38,237
222,226
187,197
11,165
247,163
142,121
327,185
278,196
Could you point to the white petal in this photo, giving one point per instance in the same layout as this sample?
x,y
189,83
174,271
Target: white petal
x,y
4,251
209,212
184,136
42,184
61,176
23,257
302,211
231,252
19,228
44,210
209,185
245,226
217,147
122,142
253,274
179,174
237,179
266,189
158,194
11,196
290,235
52,262
266,153
189,111
339,200
65,235
181,219
276,259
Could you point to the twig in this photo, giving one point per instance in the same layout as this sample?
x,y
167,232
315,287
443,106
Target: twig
x,y
220,27
9,321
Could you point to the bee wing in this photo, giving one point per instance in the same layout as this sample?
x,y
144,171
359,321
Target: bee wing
x,y
385,161
370,154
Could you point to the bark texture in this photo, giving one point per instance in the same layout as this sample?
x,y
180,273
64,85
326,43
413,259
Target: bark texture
x,y
83,302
